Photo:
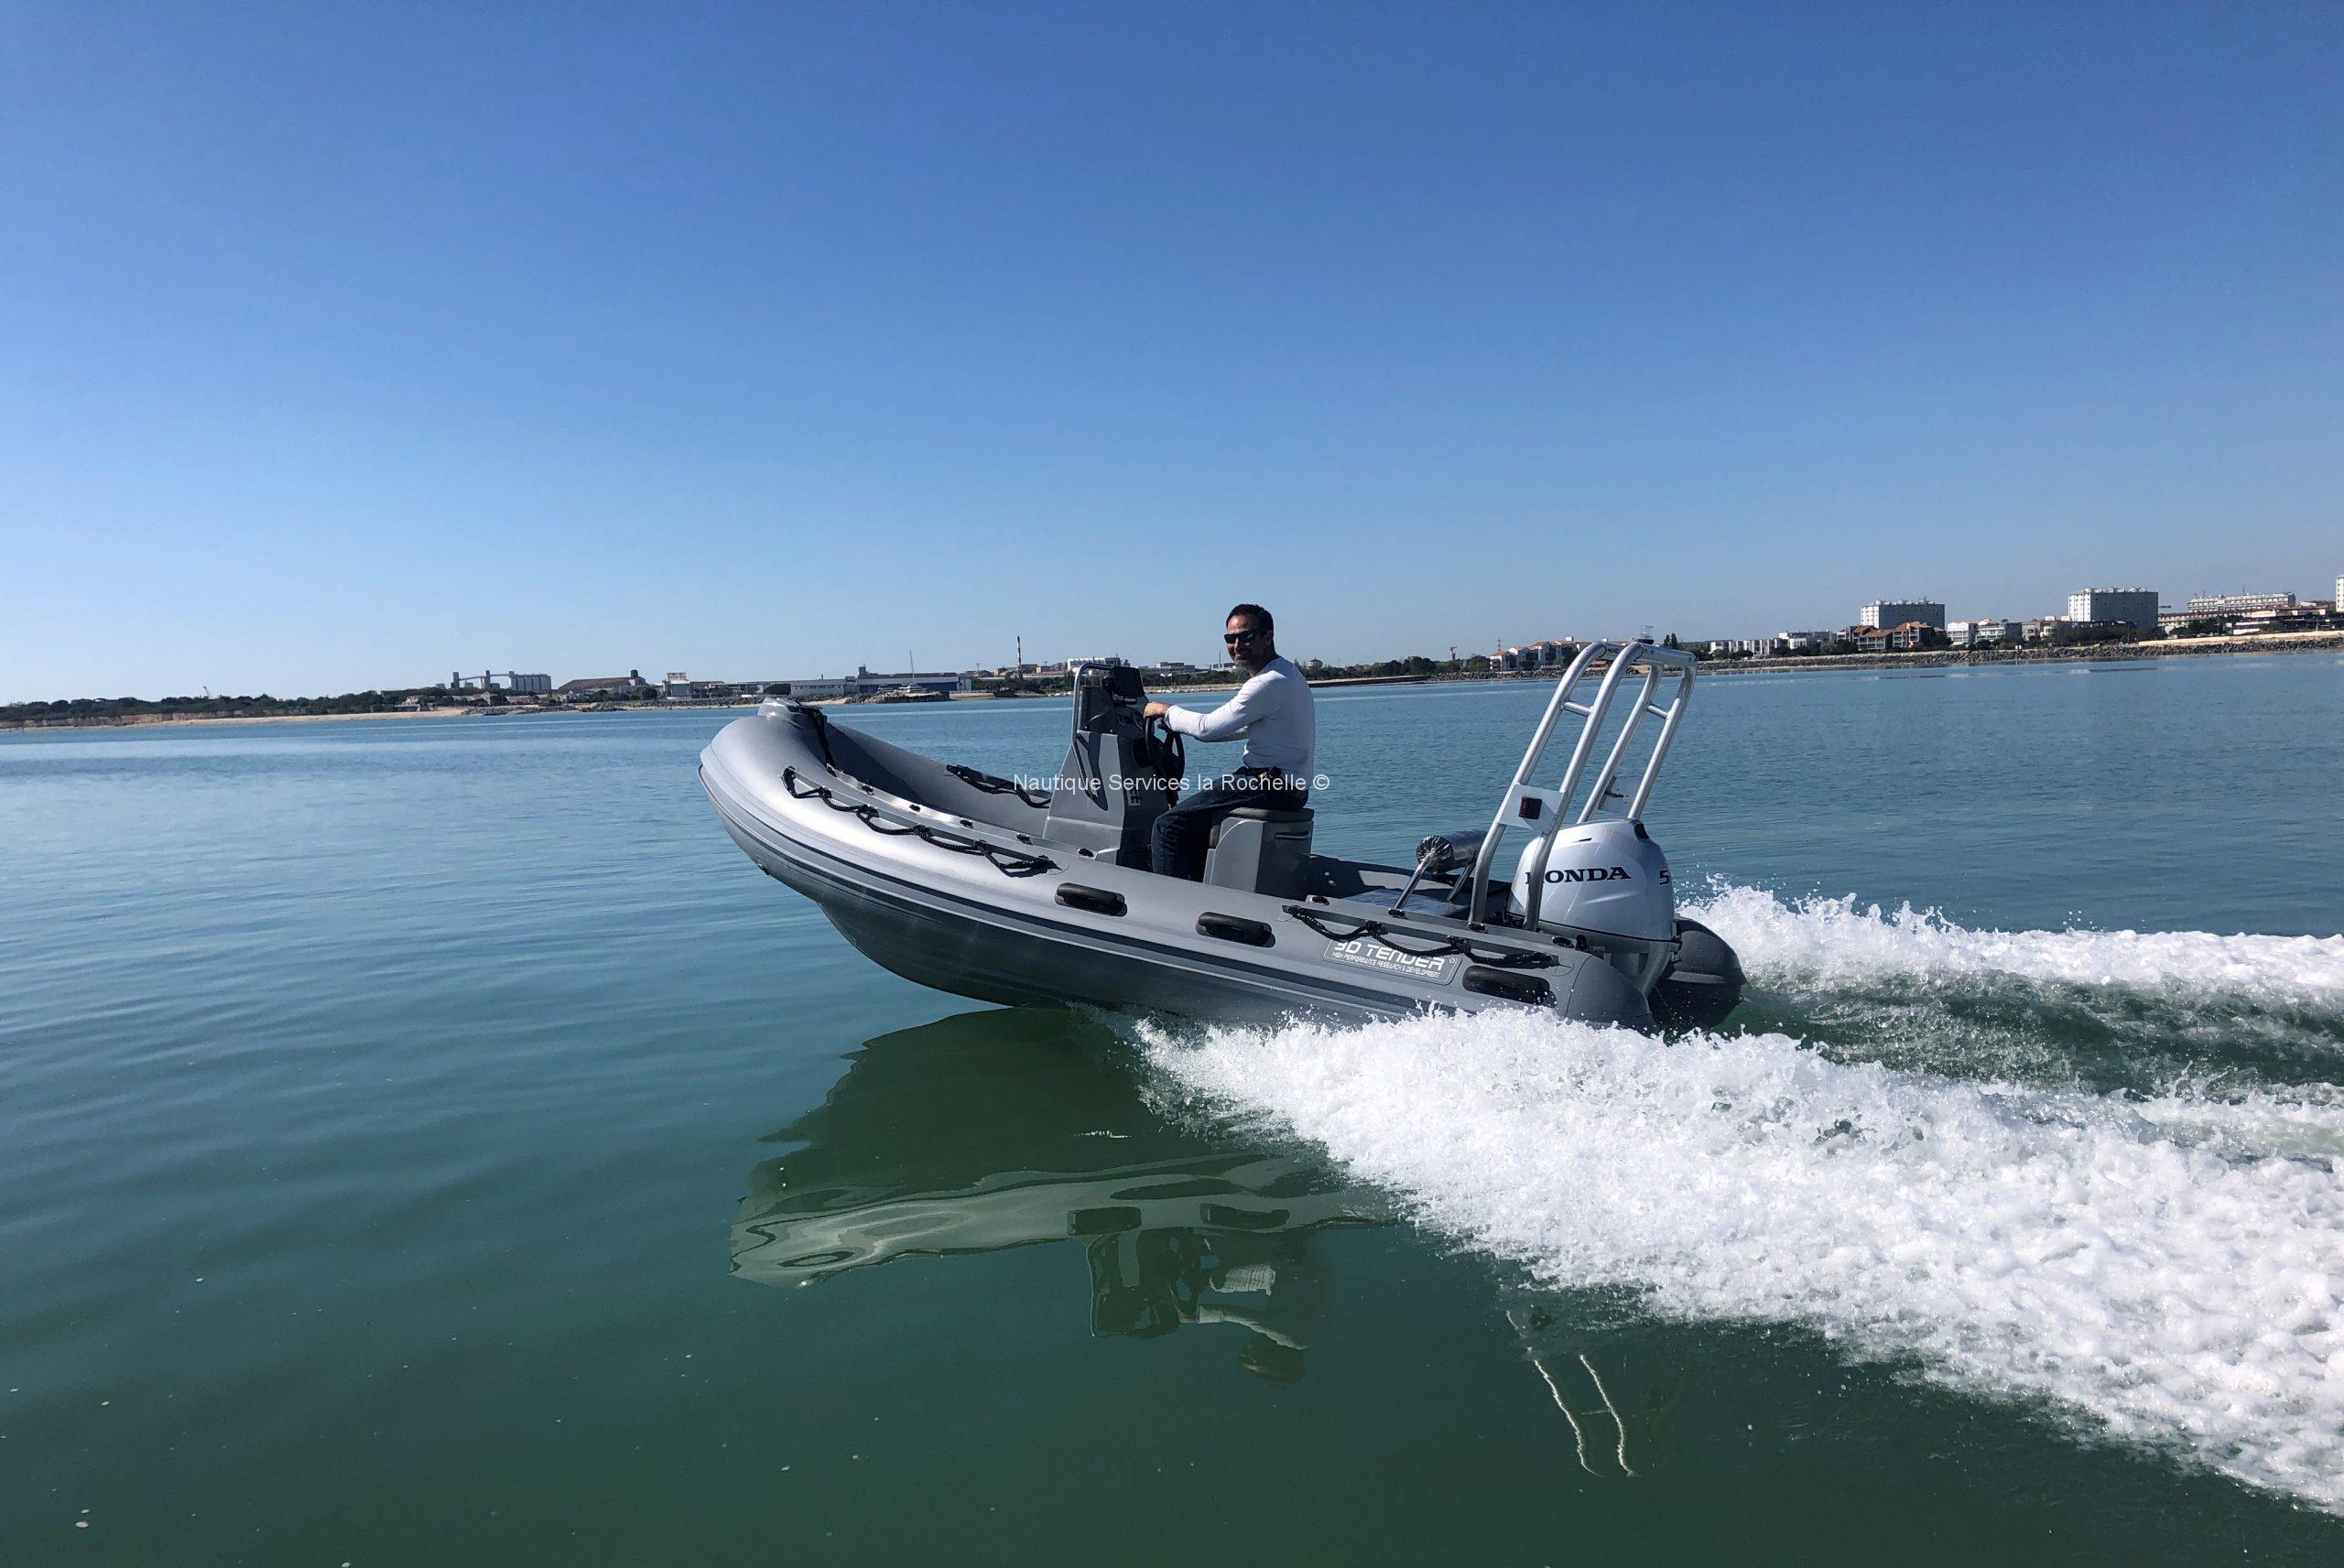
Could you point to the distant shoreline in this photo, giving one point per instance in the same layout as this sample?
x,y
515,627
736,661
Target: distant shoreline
x,y
2098,653
1936,658
2087,653
1933,658
161,721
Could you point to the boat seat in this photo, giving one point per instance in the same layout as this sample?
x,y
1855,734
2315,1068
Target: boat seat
x,y
1260,849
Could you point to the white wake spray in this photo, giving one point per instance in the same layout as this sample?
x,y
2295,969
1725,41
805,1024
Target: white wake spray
x,y
1825,942
2158,1268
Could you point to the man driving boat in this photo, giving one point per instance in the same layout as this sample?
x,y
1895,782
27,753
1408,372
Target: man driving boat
x,y
1272,714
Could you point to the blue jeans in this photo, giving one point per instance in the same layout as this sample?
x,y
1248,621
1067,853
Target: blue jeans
x,y
1180,835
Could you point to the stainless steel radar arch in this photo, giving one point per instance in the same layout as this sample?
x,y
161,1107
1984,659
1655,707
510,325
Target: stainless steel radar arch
x,y
1525,804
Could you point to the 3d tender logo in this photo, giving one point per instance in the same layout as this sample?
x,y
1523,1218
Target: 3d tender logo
x,y
1369,954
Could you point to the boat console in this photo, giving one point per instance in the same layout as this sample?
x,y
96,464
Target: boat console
x,y
1122,769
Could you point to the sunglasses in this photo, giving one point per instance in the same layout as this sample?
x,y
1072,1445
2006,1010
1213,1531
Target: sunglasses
x,y
1241,636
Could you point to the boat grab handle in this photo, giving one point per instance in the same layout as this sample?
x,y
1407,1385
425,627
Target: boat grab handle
x,y
1097,901
1235,928
1009,863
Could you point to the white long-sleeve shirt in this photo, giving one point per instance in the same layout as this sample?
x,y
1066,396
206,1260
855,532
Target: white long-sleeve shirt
x,y
1272,713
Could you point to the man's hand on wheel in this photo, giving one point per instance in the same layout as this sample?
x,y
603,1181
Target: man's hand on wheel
x,y
1156,710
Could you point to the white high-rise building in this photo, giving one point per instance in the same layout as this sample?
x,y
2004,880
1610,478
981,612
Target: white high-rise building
x,y
1886,614
2113,606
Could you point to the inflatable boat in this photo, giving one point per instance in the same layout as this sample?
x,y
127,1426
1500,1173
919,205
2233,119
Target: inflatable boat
x,y
976,885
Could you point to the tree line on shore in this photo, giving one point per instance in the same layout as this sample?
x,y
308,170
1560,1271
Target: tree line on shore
x,y
121,710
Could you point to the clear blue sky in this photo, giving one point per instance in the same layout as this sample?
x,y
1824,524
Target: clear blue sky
x,y
343,344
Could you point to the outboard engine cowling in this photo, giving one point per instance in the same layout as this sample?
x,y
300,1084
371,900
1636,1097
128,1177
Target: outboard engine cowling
x,y
1605,878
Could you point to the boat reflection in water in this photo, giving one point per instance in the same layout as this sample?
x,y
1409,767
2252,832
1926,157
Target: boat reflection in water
x,y
1029,1124
1023,1126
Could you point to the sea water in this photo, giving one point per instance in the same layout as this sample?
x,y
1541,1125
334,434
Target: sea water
x,y
430,1140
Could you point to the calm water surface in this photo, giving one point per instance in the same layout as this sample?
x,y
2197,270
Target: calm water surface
x,y
431,1142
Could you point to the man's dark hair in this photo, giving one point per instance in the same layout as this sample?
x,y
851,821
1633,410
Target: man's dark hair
x,y
1256,612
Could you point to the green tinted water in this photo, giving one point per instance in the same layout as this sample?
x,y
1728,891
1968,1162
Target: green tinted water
x,y
432,1141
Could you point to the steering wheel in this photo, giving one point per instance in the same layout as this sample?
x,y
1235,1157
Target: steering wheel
x,y
1170,749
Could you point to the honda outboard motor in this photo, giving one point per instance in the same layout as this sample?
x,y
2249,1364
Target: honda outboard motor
x,y
1605,878
1608,881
